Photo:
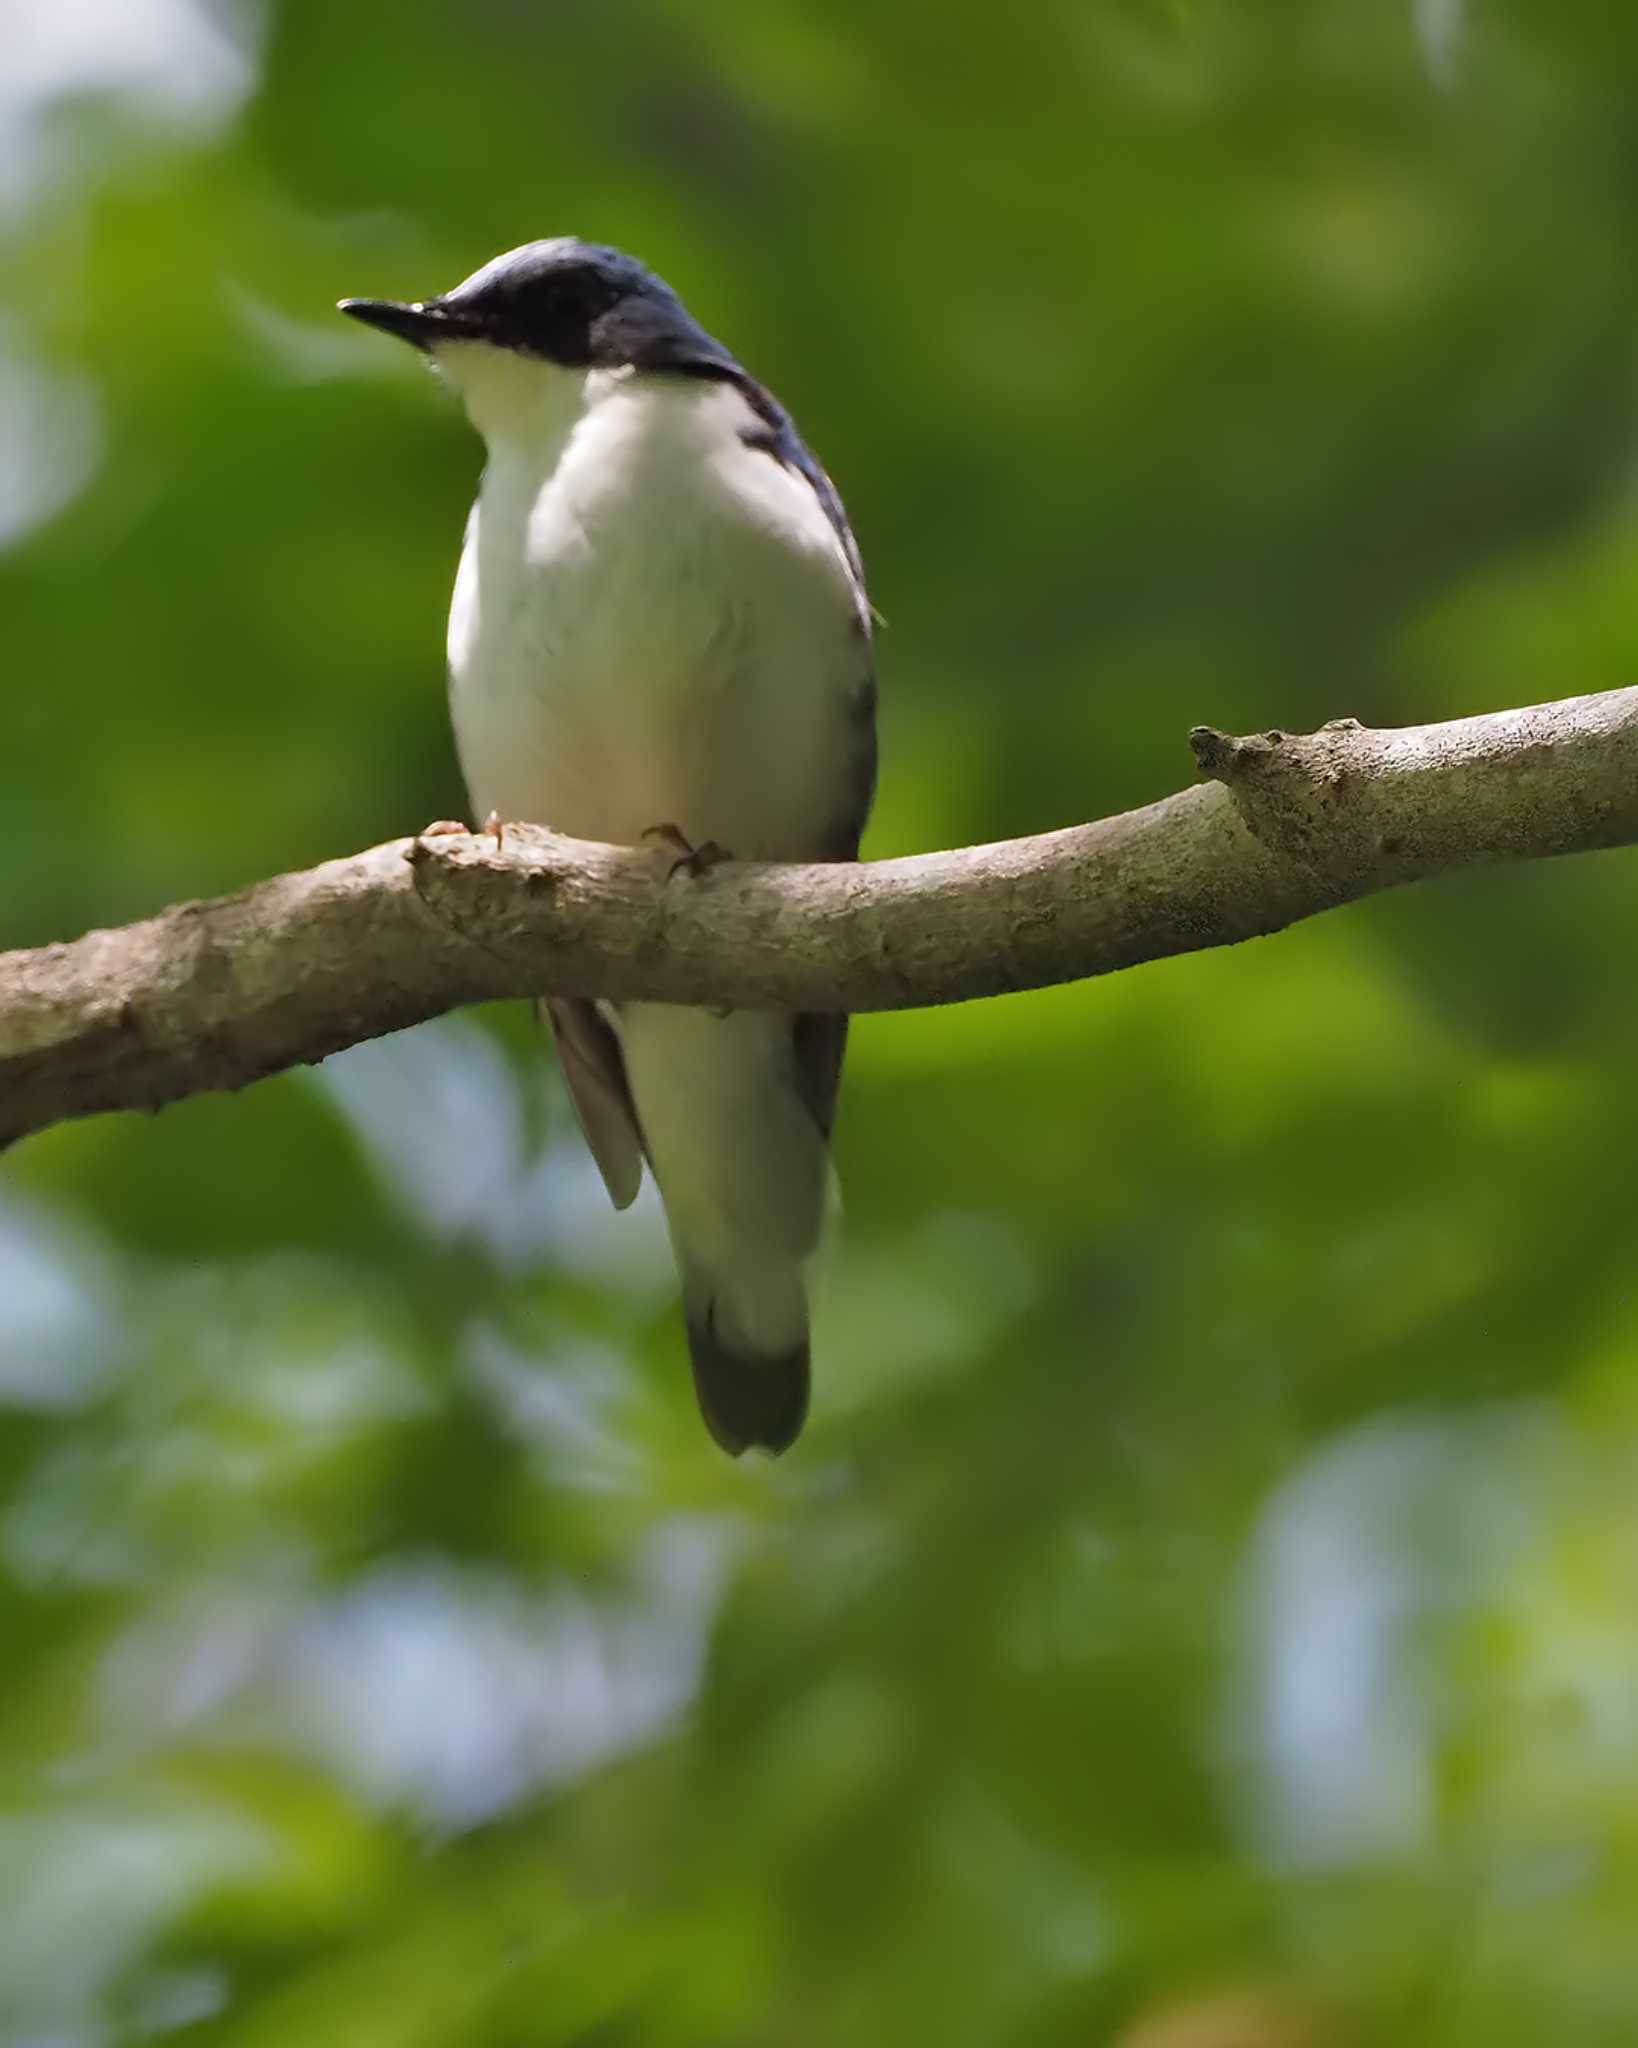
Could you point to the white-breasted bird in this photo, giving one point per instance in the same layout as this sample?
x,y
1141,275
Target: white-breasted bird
x,y
660,622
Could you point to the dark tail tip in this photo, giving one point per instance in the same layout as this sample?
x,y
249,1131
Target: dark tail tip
x,y
745,1398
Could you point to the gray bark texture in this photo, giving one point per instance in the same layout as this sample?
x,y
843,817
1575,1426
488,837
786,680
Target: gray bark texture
x,y
214,995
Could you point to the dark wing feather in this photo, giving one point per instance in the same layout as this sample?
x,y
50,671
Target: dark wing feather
x,y
820,1044
594,1071
821,1035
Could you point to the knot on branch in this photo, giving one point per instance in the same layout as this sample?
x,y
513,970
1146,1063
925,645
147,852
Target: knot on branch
x,y
1291,789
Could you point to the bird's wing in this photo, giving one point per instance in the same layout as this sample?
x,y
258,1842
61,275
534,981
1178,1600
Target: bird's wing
x,y
666,338
594,1072
821,1035
775,434
821,1042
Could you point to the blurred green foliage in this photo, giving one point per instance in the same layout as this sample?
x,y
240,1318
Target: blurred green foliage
x,y
1203,1609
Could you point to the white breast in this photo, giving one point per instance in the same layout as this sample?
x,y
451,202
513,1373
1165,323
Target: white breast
x,y
653,622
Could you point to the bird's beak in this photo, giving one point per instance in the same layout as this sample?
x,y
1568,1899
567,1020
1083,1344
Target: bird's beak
x,y
424,324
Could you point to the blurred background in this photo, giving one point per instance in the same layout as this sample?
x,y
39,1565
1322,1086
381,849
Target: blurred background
x,y
1203,1612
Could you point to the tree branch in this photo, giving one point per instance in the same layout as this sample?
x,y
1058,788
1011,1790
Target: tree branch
x,y
213,995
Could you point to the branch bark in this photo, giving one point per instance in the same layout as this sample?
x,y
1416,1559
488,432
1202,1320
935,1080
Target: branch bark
x,y
217,994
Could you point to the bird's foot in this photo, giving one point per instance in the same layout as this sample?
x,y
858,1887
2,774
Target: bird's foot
x,y
696,860
443,828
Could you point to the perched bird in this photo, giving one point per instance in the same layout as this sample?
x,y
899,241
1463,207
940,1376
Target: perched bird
x,y
659,627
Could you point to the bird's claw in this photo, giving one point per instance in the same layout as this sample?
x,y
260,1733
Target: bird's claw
x,y
696,860
495,825
442,828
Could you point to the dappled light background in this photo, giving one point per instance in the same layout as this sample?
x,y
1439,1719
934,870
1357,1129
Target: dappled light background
x,y
1204,1610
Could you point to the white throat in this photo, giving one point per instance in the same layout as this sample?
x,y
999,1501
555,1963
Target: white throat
x,y
522,404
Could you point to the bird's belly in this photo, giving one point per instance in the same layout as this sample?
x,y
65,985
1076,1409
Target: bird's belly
x,y
697,680
590,739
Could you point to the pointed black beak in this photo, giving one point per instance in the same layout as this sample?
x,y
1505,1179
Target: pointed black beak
x,y
424,324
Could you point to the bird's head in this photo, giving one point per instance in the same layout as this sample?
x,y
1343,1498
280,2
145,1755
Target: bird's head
x,y
510,330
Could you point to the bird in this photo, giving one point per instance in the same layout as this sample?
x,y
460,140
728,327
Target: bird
x,y
660,629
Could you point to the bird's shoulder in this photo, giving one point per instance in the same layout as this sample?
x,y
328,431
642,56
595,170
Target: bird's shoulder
x,y
774,433
679,348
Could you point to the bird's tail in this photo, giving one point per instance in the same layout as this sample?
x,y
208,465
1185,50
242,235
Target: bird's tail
x,y
743,1169
747,1398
